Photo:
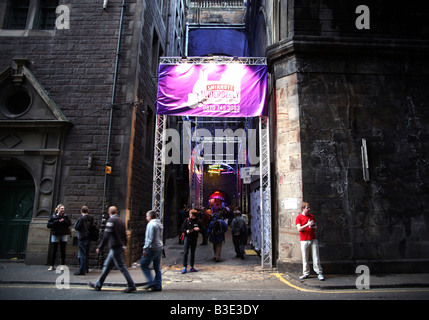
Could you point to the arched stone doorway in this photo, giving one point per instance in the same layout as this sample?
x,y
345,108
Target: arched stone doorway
x,y
16,202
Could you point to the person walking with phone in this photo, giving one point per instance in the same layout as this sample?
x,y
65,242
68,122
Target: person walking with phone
x,y
59,223
190,227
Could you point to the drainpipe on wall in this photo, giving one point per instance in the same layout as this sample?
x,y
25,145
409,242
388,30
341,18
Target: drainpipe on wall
x,y
100,257
115,78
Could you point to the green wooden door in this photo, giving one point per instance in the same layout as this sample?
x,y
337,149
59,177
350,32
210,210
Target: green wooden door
x,y
16,211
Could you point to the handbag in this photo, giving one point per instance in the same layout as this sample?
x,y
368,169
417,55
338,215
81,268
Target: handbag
x,y
69,231
182,237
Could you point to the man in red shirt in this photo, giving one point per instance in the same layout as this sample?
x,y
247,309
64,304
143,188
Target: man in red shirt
x,y
306,225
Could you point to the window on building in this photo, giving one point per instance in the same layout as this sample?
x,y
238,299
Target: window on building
x,y
30,14
18,13
156,52
47,14
150,127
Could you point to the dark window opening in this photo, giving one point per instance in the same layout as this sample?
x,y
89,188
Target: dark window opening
x,y
47,14
15,101
18,12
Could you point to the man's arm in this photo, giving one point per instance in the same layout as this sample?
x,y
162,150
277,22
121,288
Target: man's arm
x,y
308,224
148,237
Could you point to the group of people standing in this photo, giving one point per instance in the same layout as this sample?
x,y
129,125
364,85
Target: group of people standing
x,y
115,237
213,228
60,225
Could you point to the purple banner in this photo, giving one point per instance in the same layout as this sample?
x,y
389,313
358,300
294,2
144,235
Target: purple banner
x,y
212,90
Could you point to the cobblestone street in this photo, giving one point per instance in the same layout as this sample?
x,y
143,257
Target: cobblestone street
x,y
230,272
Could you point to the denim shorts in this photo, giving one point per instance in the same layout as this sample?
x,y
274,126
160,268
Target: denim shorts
x,y
55,238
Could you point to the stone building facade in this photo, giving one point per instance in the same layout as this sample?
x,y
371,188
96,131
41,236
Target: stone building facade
x,y
344,76
78,89
346,84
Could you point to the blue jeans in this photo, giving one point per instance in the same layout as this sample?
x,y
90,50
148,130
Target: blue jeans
x,y
84,246
115,257
155,257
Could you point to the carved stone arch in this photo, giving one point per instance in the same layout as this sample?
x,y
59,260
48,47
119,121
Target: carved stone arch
x,y
32,131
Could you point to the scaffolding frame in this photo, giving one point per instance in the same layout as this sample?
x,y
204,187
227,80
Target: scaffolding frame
x,y
213,59
264,157
159,166
265,190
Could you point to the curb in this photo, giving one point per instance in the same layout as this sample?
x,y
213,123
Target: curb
x,y
75,283
325,285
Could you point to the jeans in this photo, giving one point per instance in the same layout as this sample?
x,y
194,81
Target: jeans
x,y
115,257
305,250
189,244
62,245
84,246
239,243
152,255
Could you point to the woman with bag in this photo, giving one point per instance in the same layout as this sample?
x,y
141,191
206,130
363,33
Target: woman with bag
x,y
59,223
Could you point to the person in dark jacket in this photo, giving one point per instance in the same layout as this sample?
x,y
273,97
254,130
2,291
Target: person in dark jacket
x,y
59,223
115,236
239,233
190,227
216,233
207,216
83,225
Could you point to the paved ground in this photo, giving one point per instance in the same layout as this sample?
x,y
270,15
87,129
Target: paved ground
x,y
229,274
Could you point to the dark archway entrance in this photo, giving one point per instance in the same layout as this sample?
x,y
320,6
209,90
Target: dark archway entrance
x,y
215,87
16,210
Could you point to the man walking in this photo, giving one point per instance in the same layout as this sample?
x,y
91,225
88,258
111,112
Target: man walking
x,y
306,225
152,251
216,233
82,226
115,236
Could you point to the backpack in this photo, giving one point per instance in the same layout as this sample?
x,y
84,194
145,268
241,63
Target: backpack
x,y
217,228
94,232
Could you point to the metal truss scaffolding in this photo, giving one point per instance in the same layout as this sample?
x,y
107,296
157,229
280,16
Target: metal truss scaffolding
x,y
196,195
265,189
264,156
213,59
159,166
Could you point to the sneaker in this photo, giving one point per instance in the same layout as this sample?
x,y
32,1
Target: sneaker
x,y
304,276
62,268
193,269
51,268
183,271
321,277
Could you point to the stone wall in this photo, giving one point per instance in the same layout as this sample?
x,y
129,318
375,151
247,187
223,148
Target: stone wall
x,y
334,85
76,66
384,219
